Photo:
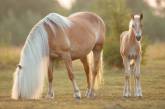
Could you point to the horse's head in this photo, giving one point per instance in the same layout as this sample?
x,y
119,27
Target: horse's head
x,y
136,25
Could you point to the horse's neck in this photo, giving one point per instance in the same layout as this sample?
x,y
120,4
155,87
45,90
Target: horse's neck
x,y
131,36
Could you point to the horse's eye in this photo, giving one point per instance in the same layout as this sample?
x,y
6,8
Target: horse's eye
x,y
19,66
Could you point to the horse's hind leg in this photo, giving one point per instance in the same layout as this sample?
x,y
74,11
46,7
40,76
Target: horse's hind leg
x,y
50,93
96,58
86,63
138,90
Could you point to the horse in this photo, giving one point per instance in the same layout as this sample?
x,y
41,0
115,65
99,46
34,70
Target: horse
x,y
79,36
130,50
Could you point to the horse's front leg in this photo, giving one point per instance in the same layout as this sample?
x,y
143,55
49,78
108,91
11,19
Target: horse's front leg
x,y
127,87
50,93
68,63
138,90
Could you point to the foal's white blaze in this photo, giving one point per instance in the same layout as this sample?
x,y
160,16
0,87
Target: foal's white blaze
x,y
136,16
29,80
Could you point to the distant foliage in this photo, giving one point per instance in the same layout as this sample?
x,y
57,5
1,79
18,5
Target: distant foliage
x,y
116,16
17,17
153,25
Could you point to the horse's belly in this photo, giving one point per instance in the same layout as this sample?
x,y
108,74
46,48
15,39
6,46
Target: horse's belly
x,y
81,51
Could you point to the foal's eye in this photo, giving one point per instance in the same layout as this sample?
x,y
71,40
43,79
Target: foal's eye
x,y
133,26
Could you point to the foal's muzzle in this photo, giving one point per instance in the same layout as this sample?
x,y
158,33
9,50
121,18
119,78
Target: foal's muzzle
x,y
138,38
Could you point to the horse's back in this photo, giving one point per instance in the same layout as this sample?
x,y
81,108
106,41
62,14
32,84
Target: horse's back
x,y
89,17
90,21
86,31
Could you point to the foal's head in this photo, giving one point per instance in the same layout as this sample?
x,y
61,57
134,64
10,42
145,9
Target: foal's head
x,y
136,26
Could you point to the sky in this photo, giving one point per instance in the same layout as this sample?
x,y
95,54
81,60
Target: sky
x,y
67,4
153,3
157,5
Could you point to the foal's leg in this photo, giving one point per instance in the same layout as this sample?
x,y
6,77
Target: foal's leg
x,y
85,63
68,63
138,90
50,93
127,88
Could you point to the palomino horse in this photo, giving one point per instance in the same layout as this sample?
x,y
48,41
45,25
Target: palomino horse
x,y
130,50
79,36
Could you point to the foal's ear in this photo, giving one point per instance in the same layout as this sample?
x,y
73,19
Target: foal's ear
x,y
132,16
141,16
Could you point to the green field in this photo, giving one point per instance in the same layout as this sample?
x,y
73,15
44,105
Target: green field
x,y
108,97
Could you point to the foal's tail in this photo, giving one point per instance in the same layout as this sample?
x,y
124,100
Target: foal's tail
x,y
99,69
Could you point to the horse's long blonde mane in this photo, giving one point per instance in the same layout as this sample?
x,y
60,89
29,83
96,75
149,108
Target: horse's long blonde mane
x,y
29,80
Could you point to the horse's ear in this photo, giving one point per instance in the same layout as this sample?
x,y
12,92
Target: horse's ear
x,y
132,16
141,16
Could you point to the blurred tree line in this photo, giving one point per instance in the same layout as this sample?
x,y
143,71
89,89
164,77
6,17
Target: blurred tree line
x,y
116,15
17,17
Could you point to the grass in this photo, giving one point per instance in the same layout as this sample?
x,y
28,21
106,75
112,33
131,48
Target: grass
x,y
108,97
9,56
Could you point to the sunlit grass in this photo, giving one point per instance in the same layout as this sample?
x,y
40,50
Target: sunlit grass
x,y
9,56
156,51
108,97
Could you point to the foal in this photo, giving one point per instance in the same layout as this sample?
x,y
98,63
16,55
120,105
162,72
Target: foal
x,y
130,49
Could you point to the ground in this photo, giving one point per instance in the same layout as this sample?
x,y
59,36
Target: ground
x,y
108,97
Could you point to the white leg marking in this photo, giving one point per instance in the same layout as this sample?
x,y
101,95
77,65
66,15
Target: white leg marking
x,y
127,88
138,90
50,94
77,93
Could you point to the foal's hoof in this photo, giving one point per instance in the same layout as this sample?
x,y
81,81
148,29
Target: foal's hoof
x,y
139,95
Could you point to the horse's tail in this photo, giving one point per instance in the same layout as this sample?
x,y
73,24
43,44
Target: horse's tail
x,y
99,77
30,73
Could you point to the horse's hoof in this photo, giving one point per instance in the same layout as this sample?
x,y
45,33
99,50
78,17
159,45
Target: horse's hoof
x,y
91,95
87,92
77,95
50,96
125,96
